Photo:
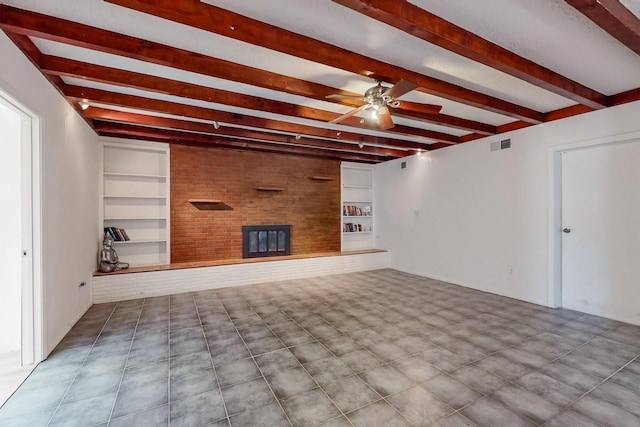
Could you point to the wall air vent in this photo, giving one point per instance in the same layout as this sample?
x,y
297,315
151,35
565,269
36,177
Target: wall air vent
x,y
403,165
500,145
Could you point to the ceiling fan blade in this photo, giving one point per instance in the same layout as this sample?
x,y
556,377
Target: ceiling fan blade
x,y
384,120
400,88
338,96
349,114
419,107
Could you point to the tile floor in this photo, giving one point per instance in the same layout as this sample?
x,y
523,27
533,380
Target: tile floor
x,y
380,348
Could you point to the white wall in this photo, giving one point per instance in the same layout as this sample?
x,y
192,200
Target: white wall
x,y
69,193
479,218
10,260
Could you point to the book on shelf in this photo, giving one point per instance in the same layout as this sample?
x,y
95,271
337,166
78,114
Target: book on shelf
x,y
117,234
350,227
353,210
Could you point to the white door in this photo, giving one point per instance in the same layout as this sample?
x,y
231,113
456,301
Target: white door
x,y
601,231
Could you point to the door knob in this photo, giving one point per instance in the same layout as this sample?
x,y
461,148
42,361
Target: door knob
x,y
566,230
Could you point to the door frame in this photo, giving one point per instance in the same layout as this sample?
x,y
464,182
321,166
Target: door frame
x,y
554,229
32,327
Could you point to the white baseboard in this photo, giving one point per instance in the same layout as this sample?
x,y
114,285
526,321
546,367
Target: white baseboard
x,y
120,287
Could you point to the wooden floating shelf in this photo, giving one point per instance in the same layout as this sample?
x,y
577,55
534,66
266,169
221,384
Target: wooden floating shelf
x,y
270,189
210,205
322,178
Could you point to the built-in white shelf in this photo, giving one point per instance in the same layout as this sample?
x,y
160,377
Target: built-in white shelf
x,y
136,242
113,196
135,175
135,198
356,197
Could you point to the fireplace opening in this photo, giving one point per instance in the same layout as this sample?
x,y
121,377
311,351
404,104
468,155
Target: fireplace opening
x,y
266,240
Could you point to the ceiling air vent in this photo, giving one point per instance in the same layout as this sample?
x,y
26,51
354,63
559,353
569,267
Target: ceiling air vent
x,y
500,145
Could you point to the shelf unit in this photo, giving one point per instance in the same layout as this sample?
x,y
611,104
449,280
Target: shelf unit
x,y
135,197
357,206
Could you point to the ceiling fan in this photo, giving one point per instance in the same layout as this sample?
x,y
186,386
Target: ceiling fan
x,y
379,98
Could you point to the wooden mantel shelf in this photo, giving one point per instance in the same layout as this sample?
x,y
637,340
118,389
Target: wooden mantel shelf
x,y
270,189
210,205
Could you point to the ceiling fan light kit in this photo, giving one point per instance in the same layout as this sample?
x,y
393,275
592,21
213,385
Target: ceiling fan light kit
x,y
378,99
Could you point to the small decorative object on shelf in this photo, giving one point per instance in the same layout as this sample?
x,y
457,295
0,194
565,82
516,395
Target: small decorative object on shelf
x,y
109,257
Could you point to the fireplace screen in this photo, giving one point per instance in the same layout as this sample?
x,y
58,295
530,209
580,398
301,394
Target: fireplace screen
x,y
266,240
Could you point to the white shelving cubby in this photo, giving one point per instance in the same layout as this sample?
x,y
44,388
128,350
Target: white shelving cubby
x,y
135,197
357,206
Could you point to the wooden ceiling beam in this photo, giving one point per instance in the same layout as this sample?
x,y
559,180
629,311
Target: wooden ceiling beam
x,y
179,137
113,116
216,20
431,28
46,27
613,17
71,68
79,93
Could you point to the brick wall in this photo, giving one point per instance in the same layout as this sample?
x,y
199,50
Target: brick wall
x,y
232,176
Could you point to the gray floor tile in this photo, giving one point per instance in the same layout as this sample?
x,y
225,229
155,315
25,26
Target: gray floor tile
x,y
455,420
236,372
443,359
627,378
156,417
487,412
248,395
419,406
527,404
138,398
337,422
570,375
289,382
187,341
605,413
416,369
386,380
571,418
360,360
264,345
199,410
31,419
398,315
310,408
84,388
189,385
276,361
85,412
379,414
388,351
309,352
189,364
340,345
350,393
503,367
328,370
620,396
34,399
550,388
265,416
451,391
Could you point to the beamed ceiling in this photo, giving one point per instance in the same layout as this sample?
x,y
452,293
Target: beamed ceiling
x,y
256,74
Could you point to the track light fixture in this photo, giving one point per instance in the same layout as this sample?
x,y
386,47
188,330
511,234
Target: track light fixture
x,y
84,104
216,125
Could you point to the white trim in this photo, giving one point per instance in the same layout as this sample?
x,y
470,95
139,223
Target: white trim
x,y
554,168
32,310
